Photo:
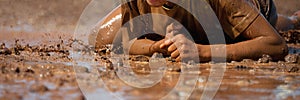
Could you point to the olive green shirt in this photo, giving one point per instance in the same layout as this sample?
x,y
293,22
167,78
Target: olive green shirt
x,y
235,16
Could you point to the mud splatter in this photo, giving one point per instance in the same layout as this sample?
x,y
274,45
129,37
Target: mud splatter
x,y
292,36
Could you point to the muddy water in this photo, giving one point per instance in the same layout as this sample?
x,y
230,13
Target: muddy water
x,y
106,77
56,71
37,72
241,80
36,80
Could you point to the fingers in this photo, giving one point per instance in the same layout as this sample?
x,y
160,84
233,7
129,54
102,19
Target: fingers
x,y
173,29
171,34
172,48
178,56
178,40
178,59
156,47
175,54
166,43
178,47
180,52
173,26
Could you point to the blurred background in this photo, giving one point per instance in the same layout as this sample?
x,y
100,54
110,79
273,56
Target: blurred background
x,y
44,18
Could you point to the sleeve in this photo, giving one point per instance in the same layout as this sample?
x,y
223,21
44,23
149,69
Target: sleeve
x,y
133,25
235,16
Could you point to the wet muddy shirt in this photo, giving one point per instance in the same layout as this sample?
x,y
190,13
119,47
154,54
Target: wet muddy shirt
x,y
235,16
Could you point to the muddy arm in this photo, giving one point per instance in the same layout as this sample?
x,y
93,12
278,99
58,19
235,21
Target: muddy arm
x,y
147,47
108,29
263,39
110,26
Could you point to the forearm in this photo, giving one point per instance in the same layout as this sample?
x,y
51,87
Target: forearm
x,y
251,49
263,39
141,47
254,49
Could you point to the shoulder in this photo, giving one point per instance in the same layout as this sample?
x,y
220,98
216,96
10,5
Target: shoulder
x,y
235,16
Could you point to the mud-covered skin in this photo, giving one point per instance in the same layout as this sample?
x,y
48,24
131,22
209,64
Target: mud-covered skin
x,y
107,29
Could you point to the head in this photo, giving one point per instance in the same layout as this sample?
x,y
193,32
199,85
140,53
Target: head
x,y
158,3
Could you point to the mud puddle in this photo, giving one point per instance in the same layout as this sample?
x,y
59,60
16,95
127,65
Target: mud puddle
x,y
247,79
61,70
240,81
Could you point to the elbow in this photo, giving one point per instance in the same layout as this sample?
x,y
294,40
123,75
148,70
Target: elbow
x,y
280,50
101,40
103,37
283,51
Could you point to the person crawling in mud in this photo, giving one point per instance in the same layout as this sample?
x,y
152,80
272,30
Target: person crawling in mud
x,y
250,28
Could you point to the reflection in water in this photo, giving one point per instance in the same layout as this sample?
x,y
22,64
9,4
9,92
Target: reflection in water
x,y
257,81
242,80
289,90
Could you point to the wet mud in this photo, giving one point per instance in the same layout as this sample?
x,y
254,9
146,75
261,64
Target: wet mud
x,y
37,72
47,71
291,36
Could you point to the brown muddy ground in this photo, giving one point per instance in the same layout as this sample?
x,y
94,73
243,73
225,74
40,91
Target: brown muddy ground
x,y
36,61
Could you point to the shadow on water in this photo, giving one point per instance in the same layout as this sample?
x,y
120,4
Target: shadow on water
x,y
247,79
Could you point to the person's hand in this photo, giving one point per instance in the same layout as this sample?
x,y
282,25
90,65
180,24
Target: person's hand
x,y
172,30
155,47
180,47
